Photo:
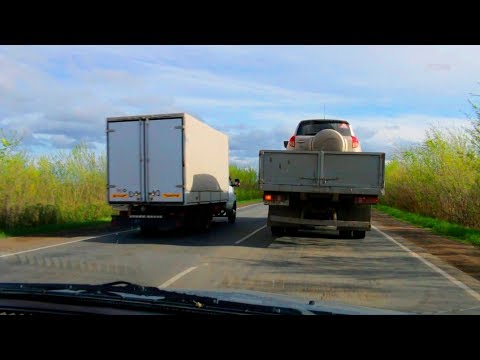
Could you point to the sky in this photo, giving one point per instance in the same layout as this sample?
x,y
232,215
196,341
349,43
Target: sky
x,y
56,96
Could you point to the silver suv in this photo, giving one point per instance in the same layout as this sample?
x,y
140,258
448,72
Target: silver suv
x,y
327,135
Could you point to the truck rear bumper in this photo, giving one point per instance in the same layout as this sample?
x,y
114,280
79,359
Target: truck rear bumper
x,y
157,222
276,220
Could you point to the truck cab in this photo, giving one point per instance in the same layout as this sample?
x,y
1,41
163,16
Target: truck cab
x,y
231,205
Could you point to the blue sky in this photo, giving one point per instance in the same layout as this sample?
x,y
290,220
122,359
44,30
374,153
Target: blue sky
x,y
59,95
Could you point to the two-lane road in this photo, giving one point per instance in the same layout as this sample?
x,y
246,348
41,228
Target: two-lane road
x,y
378,271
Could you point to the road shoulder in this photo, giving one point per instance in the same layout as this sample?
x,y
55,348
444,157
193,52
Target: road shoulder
x,y
462,256
27,242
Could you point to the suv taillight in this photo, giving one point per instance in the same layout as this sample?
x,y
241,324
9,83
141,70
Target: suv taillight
x,y
355,142
291,142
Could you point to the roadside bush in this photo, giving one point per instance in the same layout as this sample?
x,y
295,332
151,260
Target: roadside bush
x,y
66,187
63,188
439,178
248,183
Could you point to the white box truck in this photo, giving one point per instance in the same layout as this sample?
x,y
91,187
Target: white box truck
x,y
167,171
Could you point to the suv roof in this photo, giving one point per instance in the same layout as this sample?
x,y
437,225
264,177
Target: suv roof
x,y
325,120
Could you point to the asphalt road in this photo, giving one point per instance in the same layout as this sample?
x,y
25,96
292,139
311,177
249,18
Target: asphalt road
x,y
378,271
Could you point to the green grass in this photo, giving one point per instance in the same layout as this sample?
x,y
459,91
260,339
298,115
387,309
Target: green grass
x,y
248,194
439,227
53,228
248,202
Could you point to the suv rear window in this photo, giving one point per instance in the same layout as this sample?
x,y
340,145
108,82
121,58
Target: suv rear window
x,y
312,127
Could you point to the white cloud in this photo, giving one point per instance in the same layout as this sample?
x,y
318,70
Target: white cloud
x,y
288,120
204,102
245,162
385,134
55,140
392,68
376,133
82,89
256,94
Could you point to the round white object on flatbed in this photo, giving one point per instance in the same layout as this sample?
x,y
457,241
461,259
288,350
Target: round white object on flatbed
x,y
329,140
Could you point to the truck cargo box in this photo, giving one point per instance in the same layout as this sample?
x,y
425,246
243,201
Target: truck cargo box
x,y
171,159
360,173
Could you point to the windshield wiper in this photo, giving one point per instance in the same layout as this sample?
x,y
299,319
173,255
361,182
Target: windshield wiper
x,y
113,289
201,302
125,291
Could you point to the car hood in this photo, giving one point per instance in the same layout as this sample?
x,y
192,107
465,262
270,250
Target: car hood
x,y
278,300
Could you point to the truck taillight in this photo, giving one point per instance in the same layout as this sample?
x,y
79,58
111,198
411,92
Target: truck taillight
x,y
366,200
291,142
276,199
355,142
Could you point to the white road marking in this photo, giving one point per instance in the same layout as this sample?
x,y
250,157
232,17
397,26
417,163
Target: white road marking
x,y
65,243
246,207
176,277
449,277
251,234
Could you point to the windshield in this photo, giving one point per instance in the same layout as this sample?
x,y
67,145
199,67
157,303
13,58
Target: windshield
x,y
312,127
177,168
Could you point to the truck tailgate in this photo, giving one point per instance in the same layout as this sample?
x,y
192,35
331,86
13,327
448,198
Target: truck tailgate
x,y
145,160
164,157
359,173
125,168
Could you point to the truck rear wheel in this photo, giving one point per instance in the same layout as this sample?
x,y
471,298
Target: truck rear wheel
x,y
232,215
358,234
206,225
205,222
277,230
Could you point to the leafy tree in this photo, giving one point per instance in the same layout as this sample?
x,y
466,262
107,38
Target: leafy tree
x,y
8,142
475,123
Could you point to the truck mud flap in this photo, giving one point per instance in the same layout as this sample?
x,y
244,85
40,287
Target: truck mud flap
x,y
120,221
